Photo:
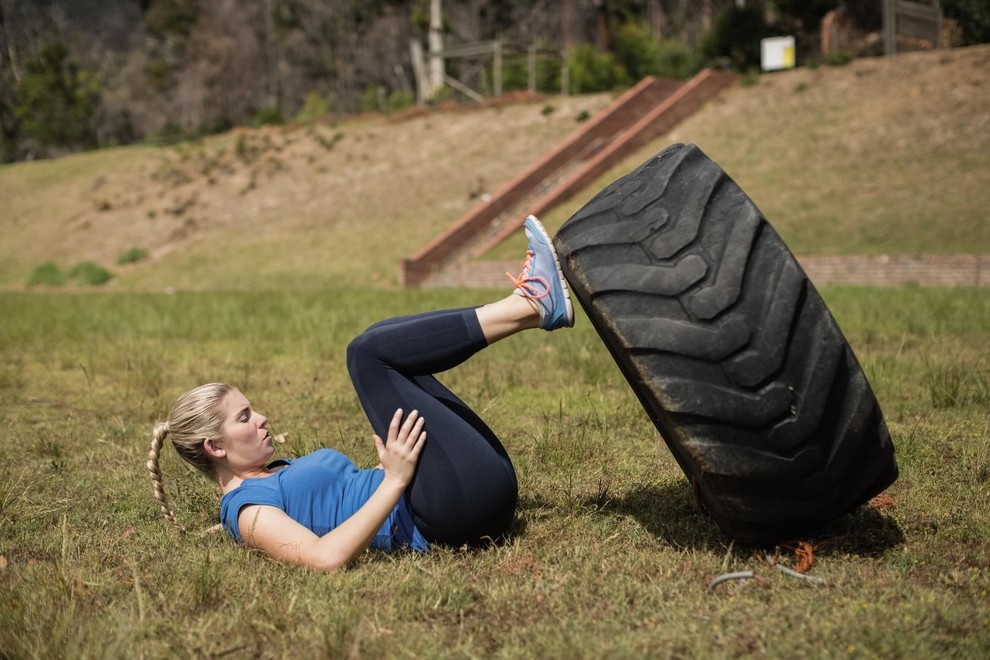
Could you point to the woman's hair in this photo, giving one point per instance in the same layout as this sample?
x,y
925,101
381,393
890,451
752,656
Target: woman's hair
x,y
196,416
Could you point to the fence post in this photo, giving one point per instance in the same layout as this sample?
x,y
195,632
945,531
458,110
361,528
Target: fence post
x,y
419,70
497,67
889,27
565,74
938,26
531,65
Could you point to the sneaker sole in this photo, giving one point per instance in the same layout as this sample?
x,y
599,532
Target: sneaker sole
x,y
568,306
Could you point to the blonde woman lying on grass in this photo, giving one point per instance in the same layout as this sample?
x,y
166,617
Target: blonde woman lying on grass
x,y
444,476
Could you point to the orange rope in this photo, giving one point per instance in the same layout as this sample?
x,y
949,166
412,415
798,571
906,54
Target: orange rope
x,y
881,502
805,553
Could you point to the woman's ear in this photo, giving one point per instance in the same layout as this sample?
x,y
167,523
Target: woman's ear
x,y
213,449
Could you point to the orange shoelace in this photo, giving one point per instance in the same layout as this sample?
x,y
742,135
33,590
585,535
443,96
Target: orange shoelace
x,y
525,282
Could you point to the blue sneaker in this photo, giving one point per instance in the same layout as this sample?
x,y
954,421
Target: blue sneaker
x,y
542,281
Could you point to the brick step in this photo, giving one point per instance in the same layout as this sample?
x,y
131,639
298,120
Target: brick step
x,y
871,270
495,217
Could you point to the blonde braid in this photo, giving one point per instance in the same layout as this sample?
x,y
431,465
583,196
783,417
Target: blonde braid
x,y
157,482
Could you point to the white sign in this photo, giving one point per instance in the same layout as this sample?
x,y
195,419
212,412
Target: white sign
x,y
777,53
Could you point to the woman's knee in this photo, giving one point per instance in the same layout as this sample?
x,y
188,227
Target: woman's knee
x,y
360,352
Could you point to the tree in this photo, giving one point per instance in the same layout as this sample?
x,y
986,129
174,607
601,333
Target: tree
x,y
973,17
57,102
736,36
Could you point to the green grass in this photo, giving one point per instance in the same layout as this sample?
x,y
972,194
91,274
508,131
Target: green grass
x,y
48,274
132,255
609,555
90,273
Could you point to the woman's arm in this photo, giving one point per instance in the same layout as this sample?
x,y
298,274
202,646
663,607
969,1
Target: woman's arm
x,y
271,530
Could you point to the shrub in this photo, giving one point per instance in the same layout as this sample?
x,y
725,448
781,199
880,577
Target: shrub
x,y
269,117
839,58
48,274
750,78
57,101
736,36
515,76
248,149
636,50
314,107
372,99
973,17
131,256
594,71
548,75
399,100
642,55
158,73
90,272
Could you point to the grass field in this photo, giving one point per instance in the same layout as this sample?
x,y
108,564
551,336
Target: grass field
x,y
609,556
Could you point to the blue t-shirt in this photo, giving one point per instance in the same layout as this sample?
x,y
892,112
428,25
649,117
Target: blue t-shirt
x,y
320,491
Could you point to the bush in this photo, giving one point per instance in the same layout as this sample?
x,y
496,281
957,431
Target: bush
x,y
48,274
515,76
399,100
57,101
131,256
594,71
269,117
90,272
736,36
314,107
839,58
642,55
973,17
636,50
548,75
372,99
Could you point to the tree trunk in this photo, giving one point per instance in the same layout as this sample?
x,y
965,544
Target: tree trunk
x,y
566,19
604,28
657,19
436,47
11,51
271,55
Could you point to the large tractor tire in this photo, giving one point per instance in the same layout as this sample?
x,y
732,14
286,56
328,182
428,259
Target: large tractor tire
x,y
729,347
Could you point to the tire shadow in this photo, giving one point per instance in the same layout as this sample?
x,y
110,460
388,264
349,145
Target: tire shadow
x,y
670,514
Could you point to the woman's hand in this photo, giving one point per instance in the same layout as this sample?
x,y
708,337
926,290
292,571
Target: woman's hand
x,y
400,453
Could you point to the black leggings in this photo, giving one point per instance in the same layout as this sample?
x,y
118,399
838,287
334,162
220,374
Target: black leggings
x,y
464,490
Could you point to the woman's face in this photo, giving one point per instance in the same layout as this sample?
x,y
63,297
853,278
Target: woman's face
x,y
245,434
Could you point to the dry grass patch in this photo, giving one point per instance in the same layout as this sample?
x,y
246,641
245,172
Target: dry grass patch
x,y
884,155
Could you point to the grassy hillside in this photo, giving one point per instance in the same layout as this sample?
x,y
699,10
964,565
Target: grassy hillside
x,y
880,156
610,557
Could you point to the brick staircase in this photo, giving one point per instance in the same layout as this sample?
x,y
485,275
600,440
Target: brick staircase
x,y
645,112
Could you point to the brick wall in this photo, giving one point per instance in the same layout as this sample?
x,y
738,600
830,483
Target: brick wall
x,y
878,270
894,270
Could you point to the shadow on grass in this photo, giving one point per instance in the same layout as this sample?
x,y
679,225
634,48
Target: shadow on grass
x,y
669,513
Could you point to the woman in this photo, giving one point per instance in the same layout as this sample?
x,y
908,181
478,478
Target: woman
x,y
455,488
